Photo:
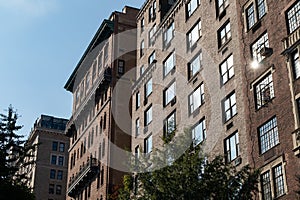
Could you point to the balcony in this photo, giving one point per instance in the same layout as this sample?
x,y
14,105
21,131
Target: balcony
x,y
291,41
86,173
296,141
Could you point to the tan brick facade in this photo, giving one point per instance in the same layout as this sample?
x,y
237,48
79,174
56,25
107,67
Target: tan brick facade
x,y
92,129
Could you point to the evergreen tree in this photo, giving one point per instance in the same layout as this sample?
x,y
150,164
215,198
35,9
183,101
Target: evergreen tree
x,y
13,153
189,177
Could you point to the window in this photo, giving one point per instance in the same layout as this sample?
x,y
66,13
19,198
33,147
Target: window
x,y
194,35
264,91
226,69
54,146
257,46
142,70
170,124
169,63
293,17
168,34
53,159
250,16
137,126
268,135
142,24
106,51
142,46
152,10
148,88
278,180
230,106
169,93
51,188
152,35
222,5
100,60
295,64
148,116
58,189
261,7
192,6
195,65
151,58
232,147
61,147
121,67
199,132
148,144
196,99
274,175
137,153
61,160
103,148
224,34
266,186
137,100
254,12
59,175
52,173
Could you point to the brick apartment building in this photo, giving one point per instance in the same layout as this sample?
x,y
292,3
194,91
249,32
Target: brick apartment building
x,y
229,70
48,175
92,129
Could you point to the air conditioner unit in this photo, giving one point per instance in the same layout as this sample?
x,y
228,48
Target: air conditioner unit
x,y
266,51
145,129
237,161
145,101
266,95
173,101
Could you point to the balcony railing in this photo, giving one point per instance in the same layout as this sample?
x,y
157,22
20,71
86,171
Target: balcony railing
x,y
291,41
86,173
296,141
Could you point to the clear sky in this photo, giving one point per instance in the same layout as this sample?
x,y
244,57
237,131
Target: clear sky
x,y
41,42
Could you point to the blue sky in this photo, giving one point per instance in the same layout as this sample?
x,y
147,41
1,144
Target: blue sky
x,y
41,42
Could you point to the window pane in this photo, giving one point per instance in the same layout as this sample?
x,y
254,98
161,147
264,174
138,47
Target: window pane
x,y
293,16
278,180
268,135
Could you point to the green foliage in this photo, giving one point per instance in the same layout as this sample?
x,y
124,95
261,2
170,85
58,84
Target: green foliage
x,y
13,153
190,175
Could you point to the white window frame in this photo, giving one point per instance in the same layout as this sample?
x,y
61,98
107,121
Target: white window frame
x,y
222,5
192,6
168,126
148,144
256,47
196,98
227,69
169,34
137,127
195,65
148,115
230,108
199,132
224,34
148,88
169,63
194,34
170,93
232,147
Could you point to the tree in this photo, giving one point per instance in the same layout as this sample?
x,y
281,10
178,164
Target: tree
x,y
13,153
190,176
